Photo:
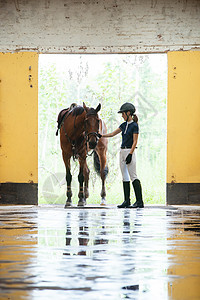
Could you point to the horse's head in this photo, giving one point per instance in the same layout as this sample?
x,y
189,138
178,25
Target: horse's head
x,y
92,125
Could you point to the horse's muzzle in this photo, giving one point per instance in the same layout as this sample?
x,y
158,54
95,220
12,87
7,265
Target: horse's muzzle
x,y
92,140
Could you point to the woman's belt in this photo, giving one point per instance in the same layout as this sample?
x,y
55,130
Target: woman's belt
x,y
124,147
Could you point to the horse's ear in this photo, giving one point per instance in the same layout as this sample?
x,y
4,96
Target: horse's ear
x,y
98,108
85,107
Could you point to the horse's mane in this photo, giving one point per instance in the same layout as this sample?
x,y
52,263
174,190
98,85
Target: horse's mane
x,y
77,110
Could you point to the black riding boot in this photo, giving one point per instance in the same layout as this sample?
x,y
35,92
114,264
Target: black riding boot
x,y
126,187
138,194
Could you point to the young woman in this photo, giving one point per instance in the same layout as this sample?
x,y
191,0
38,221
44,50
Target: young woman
x,y
129,130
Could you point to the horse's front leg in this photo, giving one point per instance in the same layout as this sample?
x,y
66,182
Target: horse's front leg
x,y
86,181
81,194
69,190
68,180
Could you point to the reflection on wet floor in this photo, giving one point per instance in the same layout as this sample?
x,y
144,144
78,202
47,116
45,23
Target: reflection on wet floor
x,y
50,252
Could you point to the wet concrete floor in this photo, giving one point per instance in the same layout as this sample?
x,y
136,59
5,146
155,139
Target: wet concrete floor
x,y
50,252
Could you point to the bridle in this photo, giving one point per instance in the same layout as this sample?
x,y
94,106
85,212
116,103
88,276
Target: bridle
x,y
93,133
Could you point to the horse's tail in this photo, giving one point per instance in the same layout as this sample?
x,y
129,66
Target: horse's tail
x,y
97,164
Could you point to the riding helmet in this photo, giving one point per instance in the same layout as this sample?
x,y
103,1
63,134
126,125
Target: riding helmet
x,y
127,107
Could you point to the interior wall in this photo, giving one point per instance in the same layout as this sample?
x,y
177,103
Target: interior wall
x,y
114,26
93,26
183,129
19,127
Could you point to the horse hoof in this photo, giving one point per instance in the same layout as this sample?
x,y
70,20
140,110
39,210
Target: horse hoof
x,y
81,202
103,202
68,204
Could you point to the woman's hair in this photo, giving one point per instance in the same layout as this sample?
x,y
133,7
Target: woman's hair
x,y
134,116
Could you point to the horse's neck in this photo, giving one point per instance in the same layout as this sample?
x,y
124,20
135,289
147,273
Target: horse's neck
x,y
102,127
78,122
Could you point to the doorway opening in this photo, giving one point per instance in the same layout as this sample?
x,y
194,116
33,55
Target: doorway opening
x,y
110,80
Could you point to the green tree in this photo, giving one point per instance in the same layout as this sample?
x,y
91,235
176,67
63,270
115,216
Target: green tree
x,y
123,78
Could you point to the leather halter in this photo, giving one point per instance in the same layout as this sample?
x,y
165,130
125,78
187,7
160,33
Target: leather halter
x,y
93,133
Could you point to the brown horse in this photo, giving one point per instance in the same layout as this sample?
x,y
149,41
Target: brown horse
x,y
79,128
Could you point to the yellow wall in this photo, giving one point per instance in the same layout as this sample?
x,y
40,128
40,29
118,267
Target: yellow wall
x,y
183,129
19,117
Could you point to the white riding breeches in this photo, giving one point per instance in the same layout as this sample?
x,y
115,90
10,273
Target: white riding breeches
x,y
128,170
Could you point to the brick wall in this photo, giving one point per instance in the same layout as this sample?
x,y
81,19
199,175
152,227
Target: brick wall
x,y
101,26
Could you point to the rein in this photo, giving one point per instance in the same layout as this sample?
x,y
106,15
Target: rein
x,y
87,137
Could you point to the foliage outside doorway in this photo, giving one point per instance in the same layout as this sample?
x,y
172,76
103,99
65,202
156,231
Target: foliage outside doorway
x,y
110,80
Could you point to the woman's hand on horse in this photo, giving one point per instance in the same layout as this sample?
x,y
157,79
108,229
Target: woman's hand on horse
x,y
128,158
